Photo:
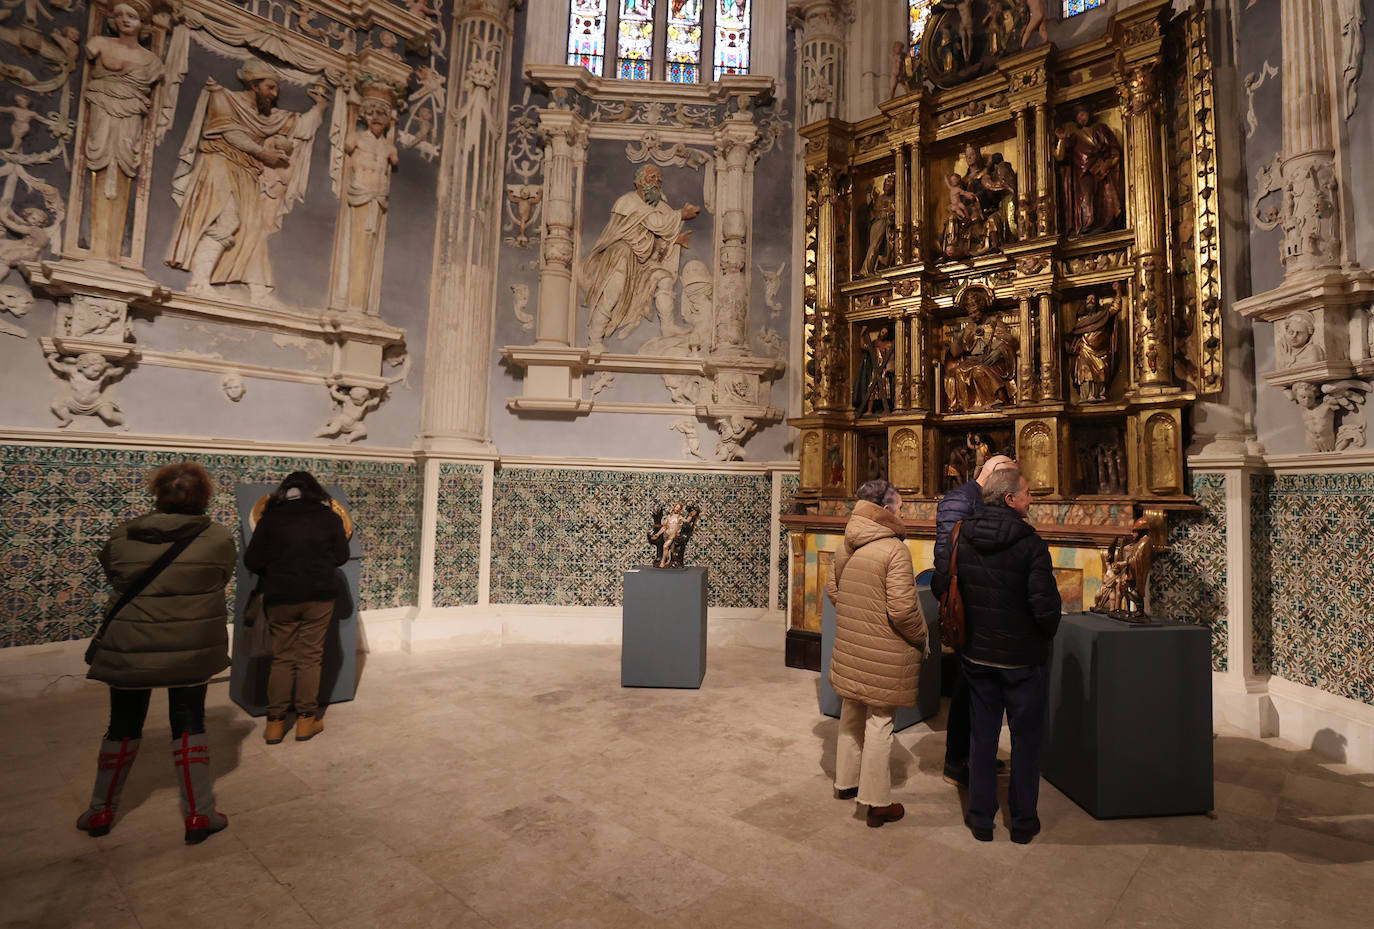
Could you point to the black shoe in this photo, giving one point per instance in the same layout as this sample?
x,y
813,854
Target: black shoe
x,y
1024,836
956,774
849,793
982,835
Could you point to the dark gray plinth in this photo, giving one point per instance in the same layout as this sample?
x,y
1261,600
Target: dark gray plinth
x,y
338,667
663,628
1130,717
927,687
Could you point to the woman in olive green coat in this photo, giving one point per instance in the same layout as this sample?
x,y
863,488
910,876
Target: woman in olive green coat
x,y
172,634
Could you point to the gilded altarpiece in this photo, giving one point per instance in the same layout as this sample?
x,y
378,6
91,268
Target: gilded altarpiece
x,y
1007,259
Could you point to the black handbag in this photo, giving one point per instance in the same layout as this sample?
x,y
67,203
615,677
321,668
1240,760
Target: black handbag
x,y
136,588
257,637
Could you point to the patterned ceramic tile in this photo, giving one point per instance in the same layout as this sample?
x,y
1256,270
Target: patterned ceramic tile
x,y
1314,579
458,536
58,505
563,536
1188,583
791,483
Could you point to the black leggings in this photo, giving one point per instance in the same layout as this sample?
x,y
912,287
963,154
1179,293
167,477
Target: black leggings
x,y
128,709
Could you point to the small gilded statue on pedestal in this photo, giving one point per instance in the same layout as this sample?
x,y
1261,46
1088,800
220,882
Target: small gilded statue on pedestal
x,y
1092,343
670,533
1126,575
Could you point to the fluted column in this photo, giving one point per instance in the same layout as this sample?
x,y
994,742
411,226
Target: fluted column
x,y
822,60
1310,205
1044,170
1153,342
1025,387
565,155
462,302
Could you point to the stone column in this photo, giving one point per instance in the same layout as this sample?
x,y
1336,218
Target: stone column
x,y
1311,220
565,155
822,60
735,148
462,303
1152,346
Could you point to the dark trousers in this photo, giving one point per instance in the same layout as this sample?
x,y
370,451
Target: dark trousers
x,y
957,725
1023,694
129,708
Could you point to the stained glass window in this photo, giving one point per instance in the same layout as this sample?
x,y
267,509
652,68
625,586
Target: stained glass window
x,y
732,37
635,51
918,12
587,34
667,40
684,42
1074,7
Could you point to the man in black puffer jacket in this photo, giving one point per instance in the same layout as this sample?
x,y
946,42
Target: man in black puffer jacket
x,y
1012,610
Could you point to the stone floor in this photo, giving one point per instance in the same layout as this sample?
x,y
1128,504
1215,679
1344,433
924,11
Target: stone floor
x,y
523,787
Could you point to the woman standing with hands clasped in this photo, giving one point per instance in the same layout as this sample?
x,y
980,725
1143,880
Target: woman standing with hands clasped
x,y
296,550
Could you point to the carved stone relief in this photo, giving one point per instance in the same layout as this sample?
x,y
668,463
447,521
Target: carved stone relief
x,y
904,459
1161,454
1037,457
85,391
1332,414
17,301
811,460
351,404
1294,342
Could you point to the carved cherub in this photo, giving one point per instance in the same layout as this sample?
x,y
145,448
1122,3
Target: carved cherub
x,y
351,407
87,376
22,119
732,431
36,229
958,196
17,301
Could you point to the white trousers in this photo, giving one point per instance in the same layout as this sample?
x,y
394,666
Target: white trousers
x,y
863,751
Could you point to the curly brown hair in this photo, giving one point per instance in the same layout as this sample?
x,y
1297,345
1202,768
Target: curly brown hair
x,y
184,487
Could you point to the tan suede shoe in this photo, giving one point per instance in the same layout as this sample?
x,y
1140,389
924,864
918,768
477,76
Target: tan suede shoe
x,y
307,727
275,731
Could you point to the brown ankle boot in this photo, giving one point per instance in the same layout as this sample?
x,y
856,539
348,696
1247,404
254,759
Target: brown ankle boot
x,y
307,727
275,730
877,815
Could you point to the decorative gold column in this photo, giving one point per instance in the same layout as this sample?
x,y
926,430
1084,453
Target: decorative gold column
x,y
903,188
1025,379
1050,386
1025,216
1153,343
903,357
1044,170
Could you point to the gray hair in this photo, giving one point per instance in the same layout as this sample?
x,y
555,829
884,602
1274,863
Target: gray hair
x,y
1001,482
643,170
879,491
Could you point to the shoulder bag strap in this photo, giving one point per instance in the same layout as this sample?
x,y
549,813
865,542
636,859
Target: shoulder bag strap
x,y
138,586
954,553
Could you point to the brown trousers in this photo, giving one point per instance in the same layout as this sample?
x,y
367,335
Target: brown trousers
x,y
298,631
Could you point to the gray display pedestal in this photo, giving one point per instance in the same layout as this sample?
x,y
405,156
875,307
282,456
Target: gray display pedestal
x,y
663,634
338,675
928,685
1130,717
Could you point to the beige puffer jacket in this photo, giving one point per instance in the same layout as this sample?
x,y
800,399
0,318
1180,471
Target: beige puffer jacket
x,y
879,632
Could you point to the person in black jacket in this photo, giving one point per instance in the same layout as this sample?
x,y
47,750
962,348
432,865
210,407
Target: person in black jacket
x,y
1011,613
960,503
296,549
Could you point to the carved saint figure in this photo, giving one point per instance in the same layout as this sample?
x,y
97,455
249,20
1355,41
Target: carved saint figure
x,y
244,164
979,225
372,157
349,409
87,376
1092,343
118,96
1295,340
882,218
874,390
981,357
999,30
1126,574
635,260
904,77
671,532
1090,174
